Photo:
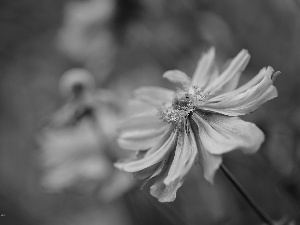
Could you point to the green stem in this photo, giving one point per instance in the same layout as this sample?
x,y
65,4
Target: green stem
x,y
260,212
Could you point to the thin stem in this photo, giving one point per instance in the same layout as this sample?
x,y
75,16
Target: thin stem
x,y
260,212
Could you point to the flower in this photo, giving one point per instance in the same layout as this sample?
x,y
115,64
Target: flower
x,y
72,159
75,144
198,122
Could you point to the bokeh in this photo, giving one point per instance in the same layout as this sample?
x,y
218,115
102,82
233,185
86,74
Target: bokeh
x,y
125,44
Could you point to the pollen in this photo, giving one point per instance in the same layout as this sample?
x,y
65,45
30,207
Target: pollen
x,y
183,104
184,101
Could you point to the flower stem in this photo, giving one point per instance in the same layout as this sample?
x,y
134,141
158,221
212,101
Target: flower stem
x,y
260,212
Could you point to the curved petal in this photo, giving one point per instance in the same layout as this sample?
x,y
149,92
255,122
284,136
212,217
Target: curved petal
x,y
140,140
157,171
156,96
243,101
165,188
210,163
146,173
151,172
220,134
163,192
142,121
231,84
158,153
185,154
228,79
254,81
136,107
141,132
206,71
176,76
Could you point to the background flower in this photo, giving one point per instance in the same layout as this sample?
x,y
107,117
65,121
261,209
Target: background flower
x,y
76,143
73,157
76,152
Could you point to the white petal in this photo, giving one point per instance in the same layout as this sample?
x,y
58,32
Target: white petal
x,y
206,70
166,186
230,74
220,134
159,170
182,145
151,172
185,154
161,167
143,121
265,72
231,84
210,164
243,101
140,139
158,153
141,132
155,96
254,81
176,76
146,173
163,192
136,106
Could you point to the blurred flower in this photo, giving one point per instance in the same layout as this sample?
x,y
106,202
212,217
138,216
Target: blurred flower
x,y
72,159
86,34
199,120
76,142
84,101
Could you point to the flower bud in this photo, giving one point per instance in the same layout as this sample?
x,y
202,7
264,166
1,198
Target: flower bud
x,y
75,81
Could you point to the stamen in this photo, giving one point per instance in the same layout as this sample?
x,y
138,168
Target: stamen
x,y
168,115
184,101
199,92
183,105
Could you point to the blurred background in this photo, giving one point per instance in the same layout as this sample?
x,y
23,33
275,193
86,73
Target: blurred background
x,y
125,44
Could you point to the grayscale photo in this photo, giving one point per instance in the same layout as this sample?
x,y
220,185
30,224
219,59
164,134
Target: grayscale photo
x,y
150,112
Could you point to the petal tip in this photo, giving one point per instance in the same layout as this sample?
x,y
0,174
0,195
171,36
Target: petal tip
x,y
210,179
176,76
211,50
161,195
275,75
118,165
167,73
244,53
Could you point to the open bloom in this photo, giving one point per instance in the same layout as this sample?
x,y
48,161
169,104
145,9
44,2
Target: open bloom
x,y
198,122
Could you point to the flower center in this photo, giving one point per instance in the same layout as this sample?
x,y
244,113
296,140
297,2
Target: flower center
x,y
183,105
184,101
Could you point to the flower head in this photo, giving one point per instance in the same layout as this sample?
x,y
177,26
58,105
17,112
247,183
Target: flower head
x,y
198,122
75,144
